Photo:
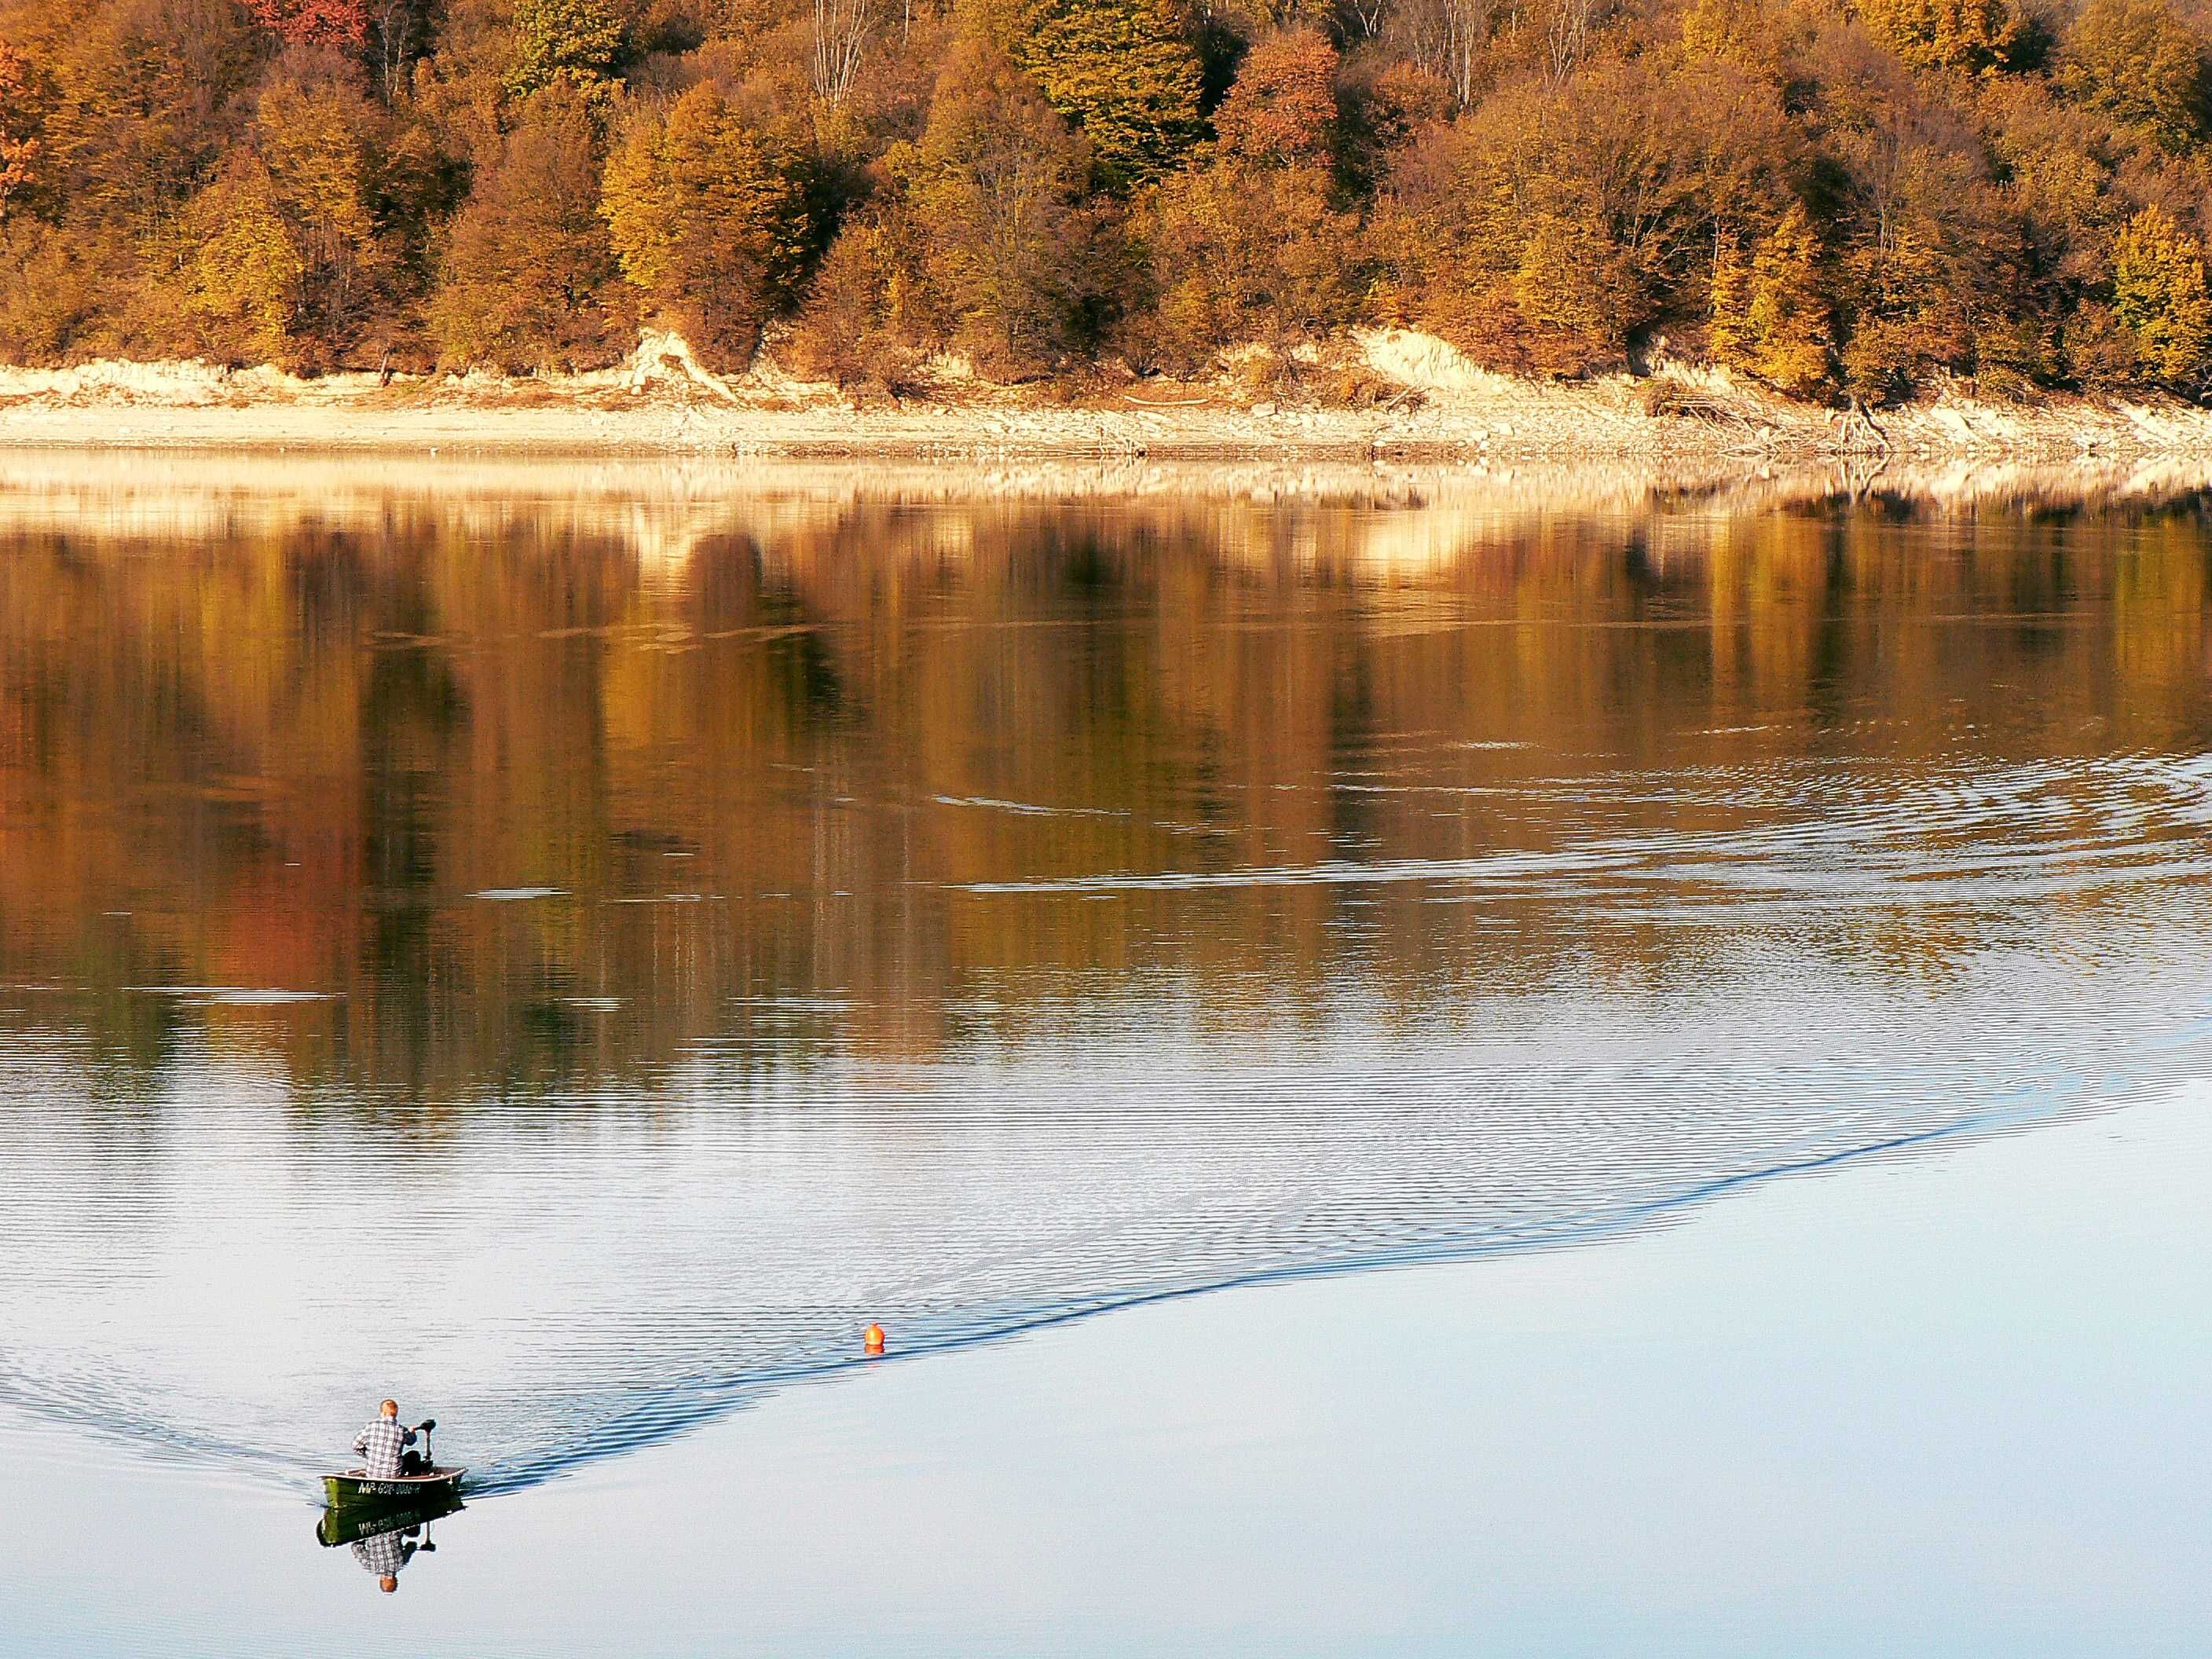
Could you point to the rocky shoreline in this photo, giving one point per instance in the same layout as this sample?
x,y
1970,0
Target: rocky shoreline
x,y
1425,403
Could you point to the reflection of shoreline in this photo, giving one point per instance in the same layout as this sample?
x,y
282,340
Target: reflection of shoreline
x,y
541,773
665,507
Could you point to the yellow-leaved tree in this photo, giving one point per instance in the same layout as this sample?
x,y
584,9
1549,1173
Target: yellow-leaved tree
x,y
578,41
2159,294
1121,71
243,281
1575,291
2138,62
1771,317
706,221
1978,36
317,140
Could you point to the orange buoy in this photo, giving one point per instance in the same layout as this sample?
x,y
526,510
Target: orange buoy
x,y
871,1340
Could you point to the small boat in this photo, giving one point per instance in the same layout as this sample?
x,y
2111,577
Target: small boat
x,y
357,1489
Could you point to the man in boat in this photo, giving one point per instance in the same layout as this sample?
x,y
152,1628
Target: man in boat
x,y
383,1446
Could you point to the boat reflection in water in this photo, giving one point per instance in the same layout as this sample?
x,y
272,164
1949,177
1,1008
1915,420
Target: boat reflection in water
x,y
385,1538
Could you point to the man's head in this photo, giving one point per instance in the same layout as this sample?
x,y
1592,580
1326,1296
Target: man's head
x,y
387,1583
390,1408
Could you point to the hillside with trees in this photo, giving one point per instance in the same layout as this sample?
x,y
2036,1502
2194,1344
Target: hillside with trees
x,y
1836,198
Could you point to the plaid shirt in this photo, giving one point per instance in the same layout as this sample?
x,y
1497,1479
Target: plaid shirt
x,y
386,1553
380,1444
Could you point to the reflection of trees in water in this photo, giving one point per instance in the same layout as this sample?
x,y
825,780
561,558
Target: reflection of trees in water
x,y
411,735
764,778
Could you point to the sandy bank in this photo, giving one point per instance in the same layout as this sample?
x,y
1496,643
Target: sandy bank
x,y
1425,403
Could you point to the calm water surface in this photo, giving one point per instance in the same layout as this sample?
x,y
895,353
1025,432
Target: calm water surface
x,y
569,946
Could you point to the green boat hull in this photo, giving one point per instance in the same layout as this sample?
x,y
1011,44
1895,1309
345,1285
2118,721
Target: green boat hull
x,y
352,1491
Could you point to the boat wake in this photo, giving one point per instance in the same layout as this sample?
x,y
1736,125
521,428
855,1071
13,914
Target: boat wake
x,y
225,1265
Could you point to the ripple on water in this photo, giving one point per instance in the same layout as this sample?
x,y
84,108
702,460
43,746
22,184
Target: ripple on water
x,y
229,1267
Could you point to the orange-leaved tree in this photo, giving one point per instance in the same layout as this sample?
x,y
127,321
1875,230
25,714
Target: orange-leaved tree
x,y
1251,246
1280,110
335,22
22,115
529,279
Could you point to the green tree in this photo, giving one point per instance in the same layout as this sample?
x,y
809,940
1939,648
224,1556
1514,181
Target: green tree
x,y
2159,294
707,222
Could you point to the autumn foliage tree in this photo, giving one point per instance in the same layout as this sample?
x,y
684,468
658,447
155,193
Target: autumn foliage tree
x,y
21,117
575,41
1833,196
530,280
1281,109
300,22
868,322
2138,62
343,178
1771,315
996,186
2159,294
1250,247
706,221
1122,70
1545,230
1978,36
241,283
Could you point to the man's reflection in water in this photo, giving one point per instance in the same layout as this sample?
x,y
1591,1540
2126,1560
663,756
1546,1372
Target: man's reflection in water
x,y
387,1552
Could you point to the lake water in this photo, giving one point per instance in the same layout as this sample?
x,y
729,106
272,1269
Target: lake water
x,y
569,945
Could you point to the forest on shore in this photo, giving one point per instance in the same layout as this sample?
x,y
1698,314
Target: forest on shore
x,y
1835,198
